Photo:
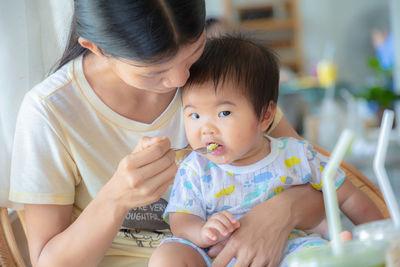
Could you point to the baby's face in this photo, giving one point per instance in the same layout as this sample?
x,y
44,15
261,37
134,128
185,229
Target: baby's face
x,y
225,118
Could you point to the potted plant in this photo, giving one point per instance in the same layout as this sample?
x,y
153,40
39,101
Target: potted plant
x,y
380,90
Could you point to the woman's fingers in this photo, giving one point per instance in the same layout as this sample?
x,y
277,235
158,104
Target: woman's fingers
x,y
260,262
147,141
217,248
155,184
156,167
226,255
258,242
163,179
149,154
242,261
161,190
143,176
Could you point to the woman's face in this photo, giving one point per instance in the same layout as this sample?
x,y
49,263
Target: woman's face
x,y
163,77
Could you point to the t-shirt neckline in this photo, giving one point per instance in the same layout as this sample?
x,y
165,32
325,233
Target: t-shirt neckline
x,y
257,165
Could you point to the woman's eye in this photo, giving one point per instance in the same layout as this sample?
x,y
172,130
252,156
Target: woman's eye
x,y
224,113
195,116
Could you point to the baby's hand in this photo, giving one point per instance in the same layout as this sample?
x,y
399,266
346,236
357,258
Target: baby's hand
x,y
219,227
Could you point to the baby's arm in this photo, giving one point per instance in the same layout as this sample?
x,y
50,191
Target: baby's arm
x,y
356,205
203,233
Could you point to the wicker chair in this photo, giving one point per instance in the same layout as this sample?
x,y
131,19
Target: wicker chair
x,y
362,182
10,254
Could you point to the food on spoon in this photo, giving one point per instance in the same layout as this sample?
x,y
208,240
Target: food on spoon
x,y
211,147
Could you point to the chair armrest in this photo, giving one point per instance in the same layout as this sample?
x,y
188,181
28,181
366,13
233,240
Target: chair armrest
x,y
10,254
362,182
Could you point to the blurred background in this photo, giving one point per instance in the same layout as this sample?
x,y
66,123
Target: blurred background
x,y
337,65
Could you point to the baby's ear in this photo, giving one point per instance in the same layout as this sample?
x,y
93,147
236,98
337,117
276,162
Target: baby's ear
x,y
268,116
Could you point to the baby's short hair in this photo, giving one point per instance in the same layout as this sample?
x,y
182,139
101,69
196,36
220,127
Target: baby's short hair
x,y
242,61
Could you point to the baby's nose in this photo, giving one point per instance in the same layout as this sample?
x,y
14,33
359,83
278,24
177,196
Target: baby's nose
x,y
208,129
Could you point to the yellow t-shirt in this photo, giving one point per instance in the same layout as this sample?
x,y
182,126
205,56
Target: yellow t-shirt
x,y
68,144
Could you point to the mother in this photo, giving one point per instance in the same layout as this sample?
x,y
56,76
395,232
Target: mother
x,y
73,165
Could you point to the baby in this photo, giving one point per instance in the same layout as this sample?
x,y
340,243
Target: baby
x,y
229,103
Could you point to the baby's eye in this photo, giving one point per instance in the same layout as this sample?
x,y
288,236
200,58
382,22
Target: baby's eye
x,y
224,113
195,116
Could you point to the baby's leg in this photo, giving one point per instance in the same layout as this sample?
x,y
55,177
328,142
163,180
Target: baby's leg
x,y
178,252
299,240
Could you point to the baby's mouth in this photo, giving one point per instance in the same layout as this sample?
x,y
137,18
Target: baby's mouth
x,y
212,146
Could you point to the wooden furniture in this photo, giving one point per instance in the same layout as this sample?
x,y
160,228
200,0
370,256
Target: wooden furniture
x,y
362,182
10,255
275,22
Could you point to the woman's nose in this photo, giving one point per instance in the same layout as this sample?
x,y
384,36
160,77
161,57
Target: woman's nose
x,y
177,78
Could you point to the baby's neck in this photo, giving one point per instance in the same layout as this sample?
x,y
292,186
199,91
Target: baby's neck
x,y
260,151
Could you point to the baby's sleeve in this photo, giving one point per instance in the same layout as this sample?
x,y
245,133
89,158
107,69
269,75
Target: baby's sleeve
x,y
186,195
317,162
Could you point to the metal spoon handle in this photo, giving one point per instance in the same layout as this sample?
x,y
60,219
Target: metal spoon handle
x,y
201,150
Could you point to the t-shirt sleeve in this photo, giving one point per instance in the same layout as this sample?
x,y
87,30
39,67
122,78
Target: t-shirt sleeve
x,y
186,195
317,163
42,169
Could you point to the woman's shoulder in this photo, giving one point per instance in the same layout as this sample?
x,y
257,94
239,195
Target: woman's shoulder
x,y
58,91
52,99
53,83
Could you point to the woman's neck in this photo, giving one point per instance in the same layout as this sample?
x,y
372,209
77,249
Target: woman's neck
x,y
125,100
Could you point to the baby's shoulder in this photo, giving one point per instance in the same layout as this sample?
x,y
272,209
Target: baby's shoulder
x,y
290,143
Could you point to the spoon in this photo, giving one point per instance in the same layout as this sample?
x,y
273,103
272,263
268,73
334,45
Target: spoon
x,y
202,150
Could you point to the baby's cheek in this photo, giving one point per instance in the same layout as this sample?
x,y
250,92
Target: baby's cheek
x,y
242,139
249,131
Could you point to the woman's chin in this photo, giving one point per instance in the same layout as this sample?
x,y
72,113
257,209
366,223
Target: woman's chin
x,y
167,90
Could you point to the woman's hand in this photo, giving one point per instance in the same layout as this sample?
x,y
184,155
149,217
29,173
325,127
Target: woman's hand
x,y
144,175
264,230
260,239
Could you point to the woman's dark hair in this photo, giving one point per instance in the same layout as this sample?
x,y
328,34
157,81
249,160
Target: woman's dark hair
x,y
244,62
140,30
